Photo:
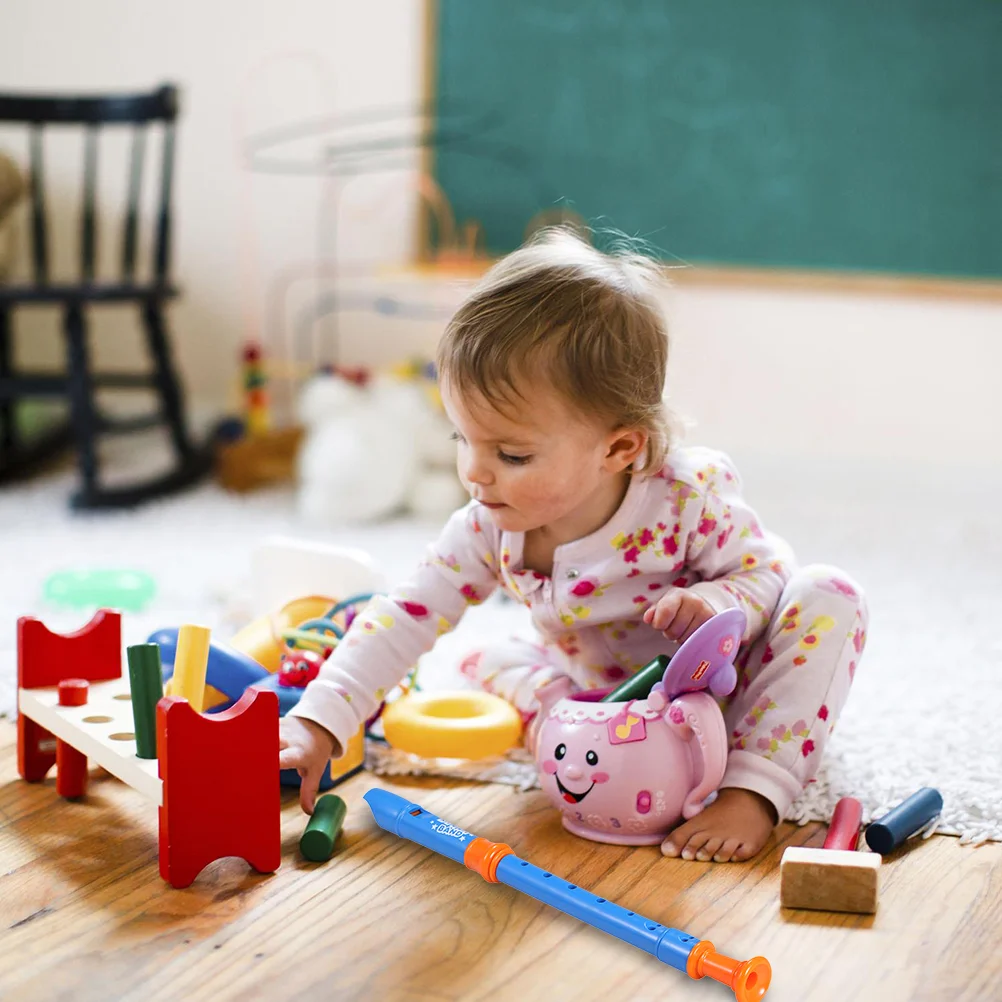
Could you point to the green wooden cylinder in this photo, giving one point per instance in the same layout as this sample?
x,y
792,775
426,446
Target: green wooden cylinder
x,y
317,843
146,680
639,686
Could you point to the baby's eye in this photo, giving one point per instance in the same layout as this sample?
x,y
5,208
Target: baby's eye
x,y
507,457
456,437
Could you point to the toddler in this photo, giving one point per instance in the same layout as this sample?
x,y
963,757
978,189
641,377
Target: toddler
x,y
620,543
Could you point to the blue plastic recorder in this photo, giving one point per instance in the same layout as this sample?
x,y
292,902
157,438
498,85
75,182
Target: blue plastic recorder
x,y
496,862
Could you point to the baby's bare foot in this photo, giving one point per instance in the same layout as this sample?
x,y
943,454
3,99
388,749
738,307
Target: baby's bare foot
x,y
734,827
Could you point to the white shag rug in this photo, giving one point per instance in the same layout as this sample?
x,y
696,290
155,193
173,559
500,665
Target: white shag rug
x,y
925,545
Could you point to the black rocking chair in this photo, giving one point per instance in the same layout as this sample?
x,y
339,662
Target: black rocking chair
x,y
79,383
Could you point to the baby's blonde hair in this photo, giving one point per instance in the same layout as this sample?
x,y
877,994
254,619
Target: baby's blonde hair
x,y
588,323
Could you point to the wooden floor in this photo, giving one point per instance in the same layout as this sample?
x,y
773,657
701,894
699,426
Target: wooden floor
x,y
84,914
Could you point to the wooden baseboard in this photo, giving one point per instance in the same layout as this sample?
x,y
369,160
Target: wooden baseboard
x,y
853,282
940,287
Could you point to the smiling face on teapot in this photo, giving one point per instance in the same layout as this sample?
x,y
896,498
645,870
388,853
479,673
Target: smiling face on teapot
x,y
616,771
580,769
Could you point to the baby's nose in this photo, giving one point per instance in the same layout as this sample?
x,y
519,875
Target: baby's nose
x,y
573,772
478,473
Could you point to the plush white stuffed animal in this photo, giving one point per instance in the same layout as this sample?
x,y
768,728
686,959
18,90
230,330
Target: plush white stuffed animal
x,y
374,450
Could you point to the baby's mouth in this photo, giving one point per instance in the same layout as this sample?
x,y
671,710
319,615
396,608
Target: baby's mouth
x,y
569,795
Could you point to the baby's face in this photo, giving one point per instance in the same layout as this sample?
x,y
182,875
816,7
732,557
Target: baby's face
x,y
533,468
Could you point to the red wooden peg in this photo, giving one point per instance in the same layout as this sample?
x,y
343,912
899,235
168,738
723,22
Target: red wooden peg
x,y
71,765
71,771
74,692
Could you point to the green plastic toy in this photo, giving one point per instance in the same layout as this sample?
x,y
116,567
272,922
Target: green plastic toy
x,y
102,588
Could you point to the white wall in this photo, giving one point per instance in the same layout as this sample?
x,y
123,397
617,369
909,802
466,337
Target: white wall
x,y
280,62
877,376
768,371
764,370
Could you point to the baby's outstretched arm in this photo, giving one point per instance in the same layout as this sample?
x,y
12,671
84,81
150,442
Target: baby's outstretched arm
x,y
386,640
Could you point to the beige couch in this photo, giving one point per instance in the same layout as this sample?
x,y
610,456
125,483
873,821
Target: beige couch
x,y
12,190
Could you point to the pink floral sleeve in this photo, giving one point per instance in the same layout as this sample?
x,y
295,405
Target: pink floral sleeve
x,y
740,565
459,570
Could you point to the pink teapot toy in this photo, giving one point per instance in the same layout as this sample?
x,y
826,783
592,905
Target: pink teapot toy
x,y
626,771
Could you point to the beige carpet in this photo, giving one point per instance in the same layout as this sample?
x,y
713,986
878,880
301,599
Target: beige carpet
x,y
925,544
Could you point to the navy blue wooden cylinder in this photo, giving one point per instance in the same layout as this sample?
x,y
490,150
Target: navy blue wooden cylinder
x,y
908,817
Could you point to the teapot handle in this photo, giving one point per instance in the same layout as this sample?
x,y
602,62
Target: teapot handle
x,y
695,716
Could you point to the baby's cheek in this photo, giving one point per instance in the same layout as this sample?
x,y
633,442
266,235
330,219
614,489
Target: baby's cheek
x,y
550,767
537,489
600,777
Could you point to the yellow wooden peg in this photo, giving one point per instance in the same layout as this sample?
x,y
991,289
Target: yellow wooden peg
x,y
190,663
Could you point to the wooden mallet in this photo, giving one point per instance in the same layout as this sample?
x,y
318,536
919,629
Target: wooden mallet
x,y
834,878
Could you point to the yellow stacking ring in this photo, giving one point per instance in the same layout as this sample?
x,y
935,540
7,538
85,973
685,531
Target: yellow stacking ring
x,y
462,724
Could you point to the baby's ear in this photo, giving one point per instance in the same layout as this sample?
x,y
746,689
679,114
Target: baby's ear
x,y
625,447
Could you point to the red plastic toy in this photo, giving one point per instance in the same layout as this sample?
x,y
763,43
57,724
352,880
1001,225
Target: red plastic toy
x,y
299,668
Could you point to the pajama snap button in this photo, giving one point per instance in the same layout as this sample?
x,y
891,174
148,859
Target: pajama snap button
x,y
572,574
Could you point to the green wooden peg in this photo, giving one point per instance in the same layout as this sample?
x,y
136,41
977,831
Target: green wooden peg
x,y
146,681
317,843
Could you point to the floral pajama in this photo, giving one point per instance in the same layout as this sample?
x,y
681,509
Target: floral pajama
x,y
792,682
686,526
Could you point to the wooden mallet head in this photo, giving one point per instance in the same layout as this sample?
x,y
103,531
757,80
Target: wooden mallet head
x,y
834,878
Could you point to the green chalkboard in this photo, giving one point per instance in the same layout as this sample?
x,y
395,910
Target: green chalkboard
x,y
823,134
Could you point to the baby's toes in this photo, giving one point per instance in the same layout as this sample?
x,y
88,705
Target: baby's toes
x,y
746,850
695,842
709,849
727,851
678,839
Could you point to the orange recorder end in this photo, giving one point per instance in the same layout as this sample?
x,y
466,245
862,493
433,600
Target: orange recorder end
x,y
748,979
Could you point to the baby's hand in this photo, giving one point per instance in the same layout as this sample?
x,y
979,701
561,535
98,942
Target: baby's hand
x,y
678,614
305,747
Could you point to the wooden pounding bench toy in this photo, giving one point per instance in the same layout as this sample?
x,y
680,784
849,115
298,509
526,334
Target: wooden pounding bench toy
x,y
214,778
